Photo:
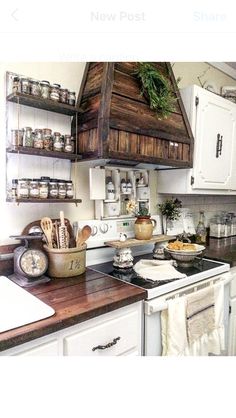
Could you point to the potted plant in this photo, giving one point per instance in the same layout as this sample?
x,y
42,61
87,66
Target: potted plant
x,y
170,210
144,225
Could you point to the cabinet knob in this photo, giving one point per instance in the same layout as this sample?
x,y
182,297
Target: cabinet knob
x,y
108,345
94,230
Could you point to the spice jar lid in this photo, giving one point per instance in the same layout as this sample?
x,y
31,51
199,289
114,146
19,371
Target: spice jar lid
x,y
45,178
36,180
25,179
53,180
38,130
45,82
14,181
24,79
56,85
57,133
16,78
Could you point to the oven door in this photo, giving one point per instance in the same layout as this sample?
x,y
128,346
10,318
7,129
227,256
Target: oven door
x,y
153,308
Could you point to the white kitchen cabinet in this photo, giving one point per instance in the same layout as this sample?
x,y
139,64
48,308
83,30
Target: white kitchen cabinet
x,y
122,328
232,316
138,190
213,122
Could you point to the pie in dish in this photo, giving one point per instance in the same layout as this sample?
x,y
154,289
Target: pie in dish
x,y
181,246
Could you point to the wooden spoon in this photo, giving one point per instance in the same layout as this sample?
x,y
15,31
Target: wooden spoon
x,y
83,235
46,225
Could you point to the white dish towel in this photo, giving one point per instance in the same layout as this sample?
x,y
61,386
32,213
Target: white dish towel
x,y
198,335
157,270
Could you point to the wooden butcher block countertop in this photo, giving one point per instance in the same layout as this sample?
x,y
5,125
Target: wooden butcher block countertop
x,y
74,300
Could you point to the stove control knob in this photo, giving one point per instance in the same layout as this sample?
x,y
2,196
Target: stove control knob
x,y
103,228
94,230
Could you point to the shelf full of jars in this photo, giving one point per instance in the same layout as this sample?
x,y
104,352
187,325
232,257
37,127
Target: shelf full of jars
x,y
40,141
119,192
34,132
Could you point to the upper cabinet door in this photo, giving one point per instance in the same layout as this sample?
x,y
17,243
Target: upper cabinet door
x,y
214,130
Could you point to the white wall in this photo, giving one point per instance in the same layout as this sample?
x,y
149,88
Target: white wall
x,y
69,74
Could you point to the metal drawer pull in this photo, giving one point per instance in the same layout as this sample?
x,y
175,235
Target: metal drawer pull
x,y
104,347
219,144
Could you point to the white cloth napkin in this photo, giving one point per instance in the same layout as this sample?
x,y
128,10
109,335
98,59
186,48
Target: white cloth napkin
x,y
157,270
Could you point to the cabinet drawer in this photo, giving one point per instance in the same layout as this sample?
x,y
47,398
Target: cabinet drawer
x,y
47,349
123,331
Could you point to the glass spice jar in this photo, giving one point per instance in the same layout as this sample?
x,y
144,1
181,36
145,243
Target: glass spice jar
x,y
47,139
14,183
25,85
61,189
35,88
55,92
16,85
16,138
43,188
38,139
71,98
27,137
53,189
34,188
69,189
45,89
23,188
68,145
57,142
63,95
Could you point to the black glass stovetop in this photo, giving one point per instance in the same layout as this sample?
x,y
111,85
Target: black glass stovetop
x,y
130,276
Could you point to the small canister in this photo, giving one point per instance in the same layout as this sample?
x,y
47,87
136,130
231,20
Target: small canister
x,y
38,138
34,188
71,98
35,88
69,189
28,140
61,189
25,85
23,188
16,138
53,189
57,142
55,92
47,139
63,95
45,89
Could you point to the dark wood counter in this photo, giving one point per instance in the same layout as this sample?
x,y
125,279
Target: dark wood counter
x,y
223,249
75,300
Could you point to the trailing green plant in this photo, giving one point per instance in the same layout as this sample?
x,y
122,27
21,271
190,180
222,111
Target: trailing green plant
x,y
170,209
156,88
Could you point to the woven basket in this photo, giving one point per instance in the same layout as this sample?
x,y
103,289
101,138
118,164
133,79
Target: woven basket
x,y
68,262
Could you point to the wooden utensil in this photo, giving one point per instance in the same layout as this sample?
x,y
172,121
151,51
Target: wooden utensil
x,y
46,225
62,232
83,235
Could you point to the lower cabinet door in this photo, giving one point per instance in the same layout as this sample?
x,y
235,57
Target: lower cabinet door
x,y
114,335
232,329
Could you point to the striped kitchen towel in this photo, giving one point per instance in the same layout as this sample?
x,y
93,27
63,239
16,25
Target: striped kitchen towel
x,y
200,313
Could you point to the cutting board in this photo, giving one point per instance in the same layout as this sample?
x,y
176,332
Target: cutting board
x,y
18,307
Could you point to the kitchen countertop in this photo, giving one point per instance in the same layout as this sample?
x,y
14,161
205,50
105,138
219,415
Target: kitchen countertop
x,y
75,300
223,249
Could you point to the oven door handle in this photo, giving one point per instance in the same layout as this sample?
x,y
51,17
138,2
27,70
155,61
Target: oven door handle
x,y
158,305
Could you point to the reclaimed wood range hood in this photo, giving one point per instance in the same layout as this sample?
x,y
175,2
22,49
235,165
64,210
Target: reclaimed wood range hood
x,y
118,125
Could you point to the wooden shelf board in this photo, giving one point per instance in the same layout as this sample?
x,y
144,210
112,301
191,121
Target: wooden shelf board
x,y
132,242
45,104
44,153
44,200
